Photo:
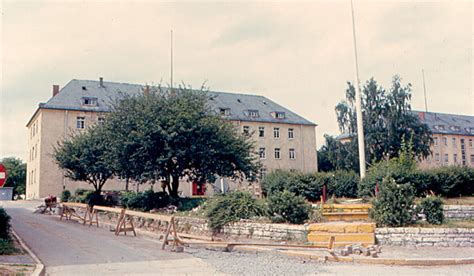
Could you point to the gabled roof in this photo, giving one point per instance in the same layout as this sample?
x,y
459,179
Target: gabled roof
x,y
443,123
71,96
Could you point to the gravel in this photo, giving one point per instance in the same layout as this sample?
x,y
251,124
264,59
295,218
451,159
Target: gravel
x,y
255,263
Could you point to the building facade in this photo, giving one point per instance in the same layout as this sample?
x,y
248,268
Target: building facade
x,y
453,139
283,139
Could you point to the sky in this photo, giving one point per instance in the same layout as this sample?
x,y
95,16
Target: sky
x,y
299,54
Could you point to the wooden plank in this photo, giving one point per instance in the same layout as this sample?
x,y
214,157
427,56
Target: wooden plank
x,y
315,246
108,209
196,237
149,215
75,204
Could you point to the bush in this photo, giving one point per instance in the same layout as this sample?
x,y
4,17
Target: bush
x,y
310,185
145,201
287,207
4,225
189,203
432,208
394,204
65,196
7,247
232,207
95,198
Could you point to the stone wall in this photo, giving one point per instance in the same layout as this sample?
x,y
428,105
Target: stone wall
x,y
238,230
442,237
459,212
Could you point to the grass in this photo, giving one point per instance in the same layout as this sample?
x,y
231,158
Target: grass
x,y
465,200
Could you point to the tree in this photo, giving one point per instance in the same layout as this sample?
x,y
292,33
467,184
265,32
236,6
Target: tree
x,y
16,171
387,118
173,133
335,155
83,157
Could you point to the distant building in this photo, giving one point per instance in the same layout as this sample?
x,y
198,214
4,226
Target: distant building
x,y
284,140
453,137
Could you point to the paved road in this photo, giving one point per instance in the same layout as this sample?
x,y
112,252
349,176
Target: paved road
x,y
67,247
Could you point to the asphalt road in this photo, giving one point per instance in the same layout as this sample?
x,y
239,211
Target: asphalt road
x,y
67,247
70,248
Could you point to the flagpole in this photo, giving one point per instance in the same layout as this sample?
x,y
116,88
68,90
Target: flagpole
x,y
360,125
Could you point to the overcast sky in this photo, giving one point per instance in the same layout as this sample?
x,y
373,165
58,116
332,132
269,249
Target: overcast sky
x,y
298,54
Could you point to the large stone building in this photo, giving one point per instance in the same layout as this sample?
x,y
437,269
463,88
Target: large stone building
x,y
453,137
284,140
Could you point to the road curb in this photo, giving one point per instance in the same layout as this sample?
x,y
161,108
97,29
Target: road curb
x,y
40,269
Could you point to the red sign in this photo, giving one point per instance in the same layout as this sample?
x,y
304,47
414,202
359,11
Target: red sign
x,y
3,175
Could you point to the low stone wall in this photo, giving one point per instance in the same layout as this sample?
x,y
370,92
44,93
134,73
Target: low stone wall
x,y
238,230
442,237
459,212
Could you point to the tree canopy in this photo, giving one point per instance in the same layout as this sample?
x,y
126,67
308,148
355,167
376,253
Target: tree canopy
x,y
82,156
16,171
387,118
168,134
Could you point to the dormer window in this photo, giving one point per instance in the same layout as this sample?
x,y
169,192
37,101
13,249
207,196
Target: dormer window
x,y
278,115
87,101
252,113
224,111
439,127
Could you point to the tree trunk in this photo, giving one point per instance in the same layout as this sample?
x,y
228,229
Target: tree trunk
x,y
126,184
174,186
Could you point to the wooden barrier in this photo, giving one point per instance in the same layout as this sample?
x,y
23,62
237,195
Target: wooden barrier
x,y
69,210
125,217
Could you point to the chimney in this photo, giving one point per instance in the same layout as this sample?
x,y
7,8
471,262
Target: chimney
x,y
146,90
421,115
101,82
55,89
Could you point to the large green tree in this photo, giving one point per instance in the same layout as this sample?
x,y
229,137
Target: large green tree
x,y
173,133
16,171
387,118
82,156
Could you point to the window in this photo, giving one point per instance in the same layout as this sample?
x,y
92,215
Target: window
x,y
278,115
437,157
291,133
445,141
292,154
89,101
81,122
246,130
470,143
455,158
253,113
454,142
446,158
101,120
472,159
261,131
263,173
262,153
276,132
224,111
435,141
277,153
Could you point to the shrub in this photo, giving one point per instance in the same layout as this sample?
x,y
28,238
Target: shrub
x,y
94,198
344,184
145,201
232,207
189,203
7,247
432,208
287,207
394,204
65,196
4,225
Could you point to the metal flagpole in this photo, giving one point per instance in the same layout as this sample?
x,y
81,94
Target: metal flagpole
x,y
171,59
360,126
424,89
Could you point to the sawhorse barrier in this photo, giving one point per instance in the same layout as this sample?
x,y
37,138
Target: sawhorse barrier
x,y
69,211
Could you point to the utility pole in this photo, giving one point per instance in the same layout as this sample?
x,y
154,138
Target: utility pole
x,y
424,89
360,124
